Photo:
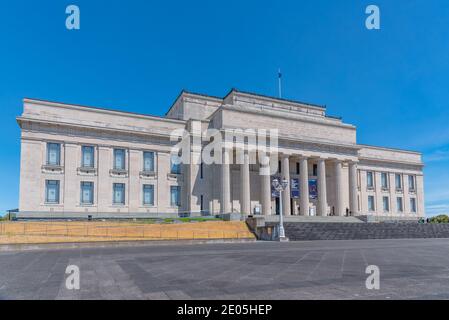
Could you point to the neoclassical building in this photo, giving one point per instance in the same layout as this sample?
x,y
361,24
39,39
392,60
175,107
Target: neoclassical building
x,y
78,161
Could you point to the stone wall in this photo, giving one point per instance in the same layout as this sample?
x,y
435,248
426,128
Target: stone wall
x,y
358,231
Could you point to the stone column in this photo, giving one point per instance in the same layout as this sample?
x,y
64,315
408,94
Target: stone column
x,y
225,182
303,187
339,210
286,194
245,202
265,187
322,191
353,206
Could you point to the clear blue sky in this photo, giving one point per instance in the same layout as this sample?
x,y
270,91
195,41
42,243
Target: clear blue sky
x,y
137,55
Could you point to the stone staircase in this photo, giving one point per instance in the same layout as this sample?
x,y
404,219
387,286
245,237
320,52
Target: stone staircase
x,y
313,219
297,231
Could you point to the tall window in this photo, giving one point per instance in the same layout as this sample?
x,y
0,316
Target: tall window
x,y
412,205
52,191
148,194
87,192
399,205
386,204
119,159
384,180
175,196
371,206
411,183
397,178
118,196
148,161
87,157
297,167
370,180
175,165
53,154
315,170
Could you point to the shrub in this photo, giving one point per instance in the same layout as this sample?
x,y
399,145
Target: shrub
x,y
442,218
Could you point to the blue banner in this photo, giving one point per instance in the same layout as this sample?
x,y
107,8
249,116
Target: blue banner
x,y
274,193
295,188
313,189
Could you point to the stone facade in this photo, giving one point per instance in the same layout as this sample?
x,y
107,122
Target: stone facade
x,y
350,179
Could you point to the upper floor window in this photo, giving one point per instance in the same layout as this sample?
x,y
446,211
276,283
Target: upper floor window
x,y
87,157
54,154
175,196
148,161
371,206
370,179
87,192
148,194
118,196
399,205
411,183
52,191
384,180
398,180
175,164
119,159
412,205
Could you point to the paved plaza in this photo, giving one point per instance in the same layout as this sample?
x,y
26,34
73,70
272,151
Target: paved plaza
x,y
409,269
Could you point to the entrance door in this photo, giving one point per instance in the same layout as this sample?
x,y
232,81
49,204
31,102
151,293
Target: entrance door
x,y
278,205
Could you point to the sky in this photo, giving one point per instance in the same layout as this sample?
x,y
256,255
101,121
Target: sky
x,y
392,83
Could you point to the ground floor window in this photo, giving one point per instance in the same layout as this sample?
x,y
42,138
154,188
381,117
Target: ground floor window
x,y
175,196
371,206
52,191
118,193
399,204
148,194
413,205
386,204
87,192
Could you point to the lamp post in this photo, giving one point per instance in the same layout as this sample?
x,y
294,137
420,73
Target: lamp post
x,y
280,187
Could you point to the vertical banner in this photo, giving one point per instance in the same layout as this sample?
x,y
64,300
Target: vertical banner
x,y
313,189
274,193
294,187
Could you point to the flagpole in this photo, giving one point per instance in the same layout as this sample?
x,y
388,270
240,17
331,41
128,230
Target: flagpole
x,y
280,83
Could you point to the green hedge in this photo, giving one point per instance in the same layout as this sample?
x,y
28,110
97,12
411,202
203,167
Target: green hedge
x,y
442,218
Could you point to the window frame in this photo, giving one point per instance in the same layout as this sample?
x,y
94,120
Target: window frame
x,y
82,185
83,148
413,208
115,151
58,155
123,200
368,185
174,165
57,193
151,186
153,166
386,180
399,205
178,203
373,209
387,209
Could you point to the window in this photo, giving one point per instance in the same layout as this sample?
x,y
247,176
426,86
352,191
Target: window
x,y
87,157
87,192
411,183
148,194
52,191
384,180
412,205
148,161
53,154
398,180
315,170
371,206
386,204
118,196
119,159
297,167
175,164
175,199
399,206
369,180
